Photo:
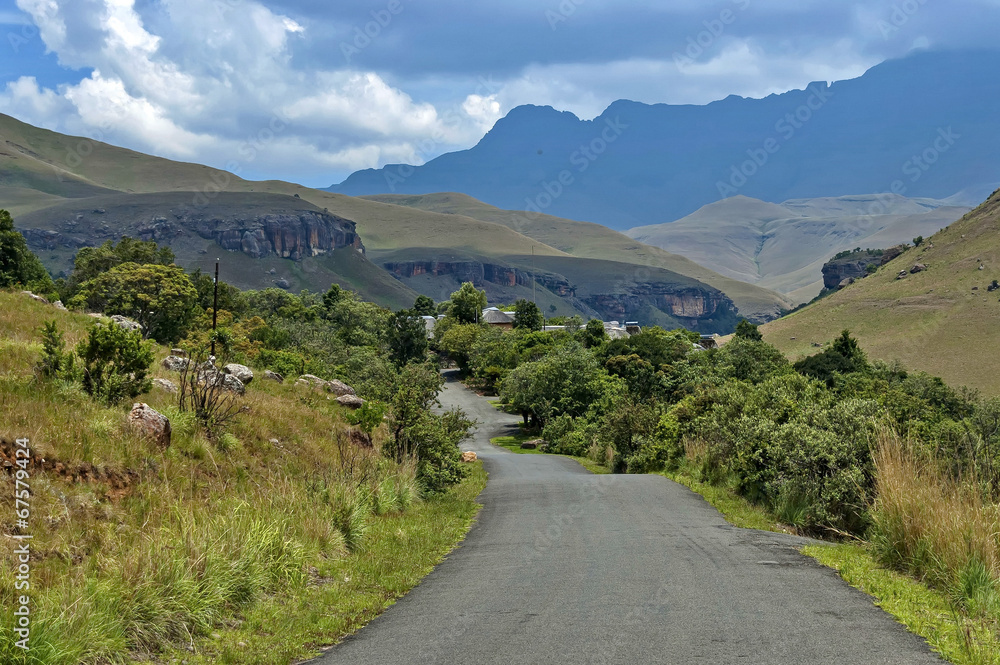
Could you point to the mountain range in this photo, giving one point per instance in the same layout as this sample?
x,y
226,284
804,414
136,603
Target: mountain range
x,y
923,126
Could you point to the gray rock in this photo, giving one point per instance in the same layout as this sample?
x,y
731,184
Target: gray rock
x,y
150,423
273,376
125,322
533,444
35,297
311,380
241,372
164,384
227,381
175,363
59,305
919,267
350,401
283,284
339,388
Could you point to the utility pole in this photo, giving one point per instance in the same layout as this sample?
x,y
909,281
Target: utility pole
x,y
215,305
533,275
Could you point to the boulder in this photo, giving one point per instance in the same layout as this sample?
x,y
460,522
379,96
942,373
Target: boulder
x,y
150,423
892,253
273,376
283,284
164,384
35,297
339,388
469,456
241,372
350,401
59,305
174,363
312,380
919,267
847,281
125,322
532,445
232,384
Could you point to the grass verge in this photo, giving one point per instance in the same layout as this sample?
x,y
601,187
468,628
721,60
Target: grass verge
x,y
513,444
345,594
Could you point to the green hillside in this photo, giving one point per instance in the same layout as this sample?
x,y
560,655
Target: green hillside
x,y
943,320
593,241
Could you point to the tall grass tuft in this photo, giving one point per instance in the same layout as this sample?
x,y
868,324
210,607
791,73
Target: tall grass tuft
x,y
940,530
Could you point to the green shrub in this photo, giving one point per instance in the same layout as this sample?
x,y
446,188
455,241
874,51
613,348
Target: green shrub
x,y
56,362
115,363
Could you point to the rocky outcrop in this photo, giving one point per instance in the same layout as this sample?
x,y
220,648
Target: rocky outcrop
x,y
339,388
150,423
350,401
241,372
174,363
689,304
853,266
892,253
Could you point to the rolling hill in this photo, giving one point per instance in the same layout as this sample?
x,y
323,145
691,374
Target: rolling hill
x,y
942,319
638,164
66,192
783,246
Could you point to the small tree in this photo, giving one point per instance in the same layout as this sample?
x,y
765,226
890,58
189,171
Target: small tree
x,y
527,316
747,330
160,298
18,265
918,241
593,334
424,306
467,303
115,363
203,392
55,362
407,337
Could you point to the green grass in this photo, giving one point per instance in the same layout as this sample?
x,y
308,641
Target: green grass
x,y
734,508
923,611
513,444
345,594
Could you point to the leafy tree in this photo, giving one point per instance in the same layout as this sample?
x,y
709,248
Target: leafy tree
x,y
747,330
848,347
626,426
746,359
458,342
424,306
18,265
654,345
160,298
918,241
527,316
843,357
593,334
468,303
407,337
115,363
230,298
640,376
92,262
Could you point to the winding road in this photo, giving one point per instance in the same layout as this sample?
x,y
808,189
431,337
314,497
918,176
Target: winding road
x,y
568,567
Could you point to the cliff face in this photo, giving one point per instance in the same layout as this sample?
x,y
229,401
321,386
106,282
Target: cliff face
x,y
290,236
479,273
257,225
849,267
690,305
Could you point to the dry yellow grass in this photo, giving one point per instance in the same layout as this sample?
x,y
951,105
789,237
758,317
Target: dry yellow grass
x,y
942,320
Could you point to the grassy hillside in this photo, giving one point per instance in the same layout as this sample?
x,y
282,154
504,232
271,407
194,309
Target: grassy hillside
x,y
259,546
783,246
942,320
593,241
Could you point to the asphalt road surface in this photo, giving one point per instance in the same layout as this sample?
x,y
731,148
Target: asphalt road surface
x,y
568,567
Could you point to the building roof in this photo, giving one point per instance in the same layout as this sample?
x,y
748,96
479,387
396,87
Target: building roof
x,y
494,316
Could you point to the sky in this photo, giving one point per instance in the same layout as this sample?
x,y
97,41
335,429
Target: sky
x,y
312,90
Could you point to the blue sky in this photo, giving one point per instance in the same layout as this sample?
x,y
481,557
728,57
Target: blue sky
x,y
310,91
